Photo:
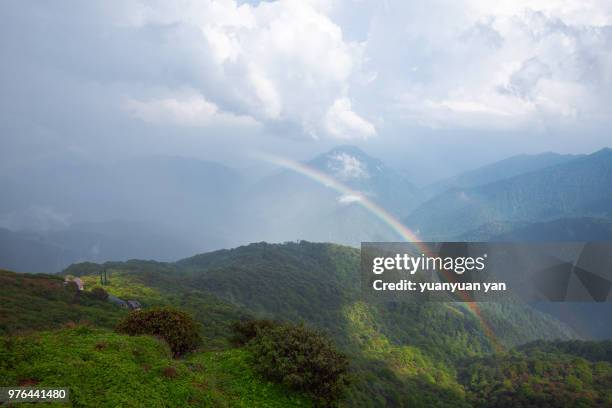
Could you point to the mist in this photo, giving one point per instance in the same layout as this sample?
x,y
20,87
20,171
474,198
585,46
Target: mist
x,y
132,130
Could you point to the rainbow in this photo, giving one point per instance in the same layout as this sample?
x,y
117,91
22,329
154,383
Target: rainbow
x,y
387,218
380,213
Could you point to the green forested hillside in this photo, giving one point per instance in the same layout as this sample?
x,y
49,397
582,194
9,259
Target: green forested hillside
x,y
555,375
589,320
400,354
396,349
319,284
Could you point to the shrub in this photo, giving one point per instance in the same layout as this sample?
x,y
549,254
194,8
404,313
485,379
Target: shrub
x,y
177,328
99,293
302,359
245,331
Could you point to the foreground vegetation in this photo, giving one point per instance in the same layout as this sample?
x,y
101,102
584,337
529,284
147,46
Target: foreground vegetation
x,y
398,354
106,369
34,302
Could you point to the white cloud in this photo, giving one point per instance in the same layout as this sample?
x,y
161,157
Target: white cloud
x,y
294,68
349,198
491,65
284,61
347,167
342,122
191,110
469,64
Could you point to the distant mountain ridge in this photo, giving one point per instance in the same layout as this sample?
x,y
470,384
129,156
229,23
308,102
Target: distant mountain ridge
x,y
564,229
203,205
140,189
51,251
500,170
580,187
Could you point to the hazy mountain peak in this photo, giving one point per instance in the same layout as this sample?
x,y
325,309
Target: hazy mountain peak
x,y
348,163
606,151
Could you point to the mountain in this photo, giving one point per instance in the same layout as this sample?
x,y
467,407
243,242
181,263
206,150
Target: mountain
x,y
153,207
25,252
174,190
403,354
580,187
368,175
590,320
564,229
296,280
542,374
500,170
52,251
288,206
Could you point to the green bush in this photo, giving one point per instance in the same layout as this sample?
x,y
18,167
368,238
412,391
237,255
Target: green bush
x,y
99,293
245,331
302,359
177,328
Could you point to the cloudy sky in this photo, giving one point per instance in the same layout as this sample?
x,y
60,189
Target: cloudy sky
x,y
437,84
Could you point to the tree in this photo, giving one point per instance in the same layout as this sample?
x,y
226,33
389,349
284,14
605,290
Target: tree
x,y
302,359
177,328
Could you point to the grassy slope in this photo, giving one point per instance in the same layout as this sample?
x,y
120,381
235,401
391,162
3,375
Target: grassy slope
x,y
33,302
156,286
105,369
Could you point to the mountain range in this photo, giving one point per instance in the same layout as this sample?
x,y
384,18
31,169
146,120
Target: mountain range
x,y
575,188
165,208
500,170
402,354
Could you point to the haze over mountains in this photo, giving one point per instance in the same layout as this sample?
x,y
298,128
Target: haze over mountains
x,y
575,188
165,208
500,170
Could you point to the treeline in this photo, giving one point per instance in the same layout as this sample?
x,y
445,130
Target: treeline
x,y
589,350
542,375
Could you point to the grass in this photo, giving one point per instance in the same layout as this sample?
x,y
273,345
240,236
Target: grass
x,y
33,302
124,286
105,369
232,382
215,315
